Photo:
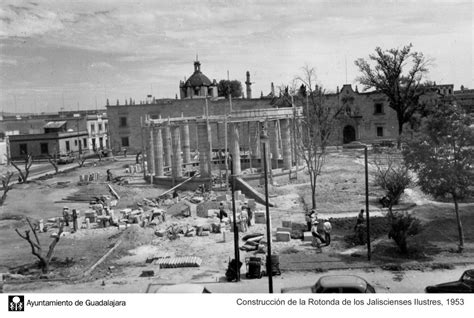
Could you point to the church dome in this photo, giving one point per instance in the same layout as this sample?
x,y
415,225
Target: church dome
x,y
198,78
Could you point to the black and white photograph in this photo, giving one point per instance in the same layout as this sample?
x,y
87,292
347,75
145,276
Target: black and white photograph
x,y
237,147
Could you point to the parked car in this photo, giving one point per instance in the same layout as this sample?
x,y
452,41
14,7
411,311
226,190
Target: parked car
x,y
65,158
183,289
465,284
339,284
356,145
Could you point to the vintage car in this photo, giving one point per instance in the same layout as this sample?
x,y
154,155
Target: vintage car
x,y
65,158
465,284
335,284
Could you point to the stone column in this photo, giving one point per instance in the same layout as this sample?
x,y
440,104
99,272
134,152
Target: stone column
x,y
158,152
150,152
167,145
204,149
177,163
254,140
186,143
286,142
235,148
273,135
264,126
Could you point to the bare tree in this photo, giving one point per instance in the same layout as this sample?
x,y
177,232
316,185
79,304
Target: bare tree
x,y
319,122
35,244
6,177
81,159
390,76
28,161
54,162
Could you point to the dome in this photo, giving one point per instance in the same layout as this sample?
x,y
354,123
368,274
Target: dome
x,y
198,79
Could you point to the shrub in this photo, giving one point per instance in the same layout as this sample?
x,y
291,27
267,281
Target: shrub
x,y
403,225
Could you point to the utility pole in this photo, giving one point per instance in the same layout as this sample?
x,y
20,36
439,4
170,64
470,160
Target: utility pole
x,y
264,140
367,202
236,230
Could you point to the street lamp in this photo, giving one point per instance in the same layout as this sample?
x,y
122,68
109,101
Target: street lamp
x,y
264,141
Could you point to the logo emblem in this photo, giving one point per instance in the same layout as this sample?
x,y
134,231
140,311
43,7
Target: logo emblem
x,y
16,303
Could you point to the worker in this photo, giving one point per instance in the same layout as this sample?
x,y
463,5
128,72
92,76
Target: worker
x,y
317,238
360,219
74,220
244,219
66,215
222,212
327,228
175,196
311,216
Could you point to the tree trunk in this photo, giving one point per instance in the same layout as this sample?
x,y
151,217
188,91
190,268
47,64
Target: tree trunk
x,y
400,131
44,267
313,191
458,220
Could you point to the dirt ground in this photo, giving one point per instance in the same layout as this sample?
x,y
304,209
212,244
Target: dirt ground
x,y
340,195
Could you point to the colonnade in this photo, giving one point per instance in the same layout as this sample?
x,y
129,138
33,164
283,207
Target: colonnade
x,y
168,143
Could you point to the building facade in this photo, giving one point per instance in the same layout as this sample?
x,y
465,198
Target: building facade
x,y
57,138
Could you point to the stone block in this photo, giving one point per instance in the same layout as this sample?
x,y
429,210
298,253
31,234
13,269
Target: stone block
x,y
212,213
307,237
259,217
284,229
160,233
122,226
226,235
286,223
202,209
252,204
225,197
283,236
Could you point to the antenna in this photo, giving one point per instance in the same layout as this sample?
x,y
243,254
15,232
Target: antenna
x,y
197,59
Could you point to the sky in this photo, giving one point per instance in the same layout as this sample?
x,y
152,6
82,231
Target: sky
x,y
57,54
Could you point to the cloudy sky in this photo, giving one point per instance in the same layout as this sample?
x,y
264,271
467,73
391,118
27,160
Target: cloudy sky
x,y
75,54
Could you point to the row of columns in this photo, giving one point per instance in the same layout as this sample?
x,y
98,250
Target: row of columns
x,y
166,142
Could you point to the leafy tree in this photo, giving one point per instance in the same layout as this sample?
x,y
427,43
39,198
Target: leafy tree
x,y
226,86
442,153
397,73
319,122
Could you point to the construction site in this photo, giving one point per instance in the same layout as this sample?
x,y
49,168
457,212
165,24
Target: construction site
x,y
169,216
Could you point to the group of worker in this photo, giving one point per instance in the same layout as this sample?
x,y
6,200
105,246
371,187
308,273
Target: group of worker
x,y
244,218
321,235
70,217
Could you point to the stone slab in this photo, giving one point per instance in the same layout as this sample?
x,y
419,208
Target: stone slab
x,y
307,237
283,236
